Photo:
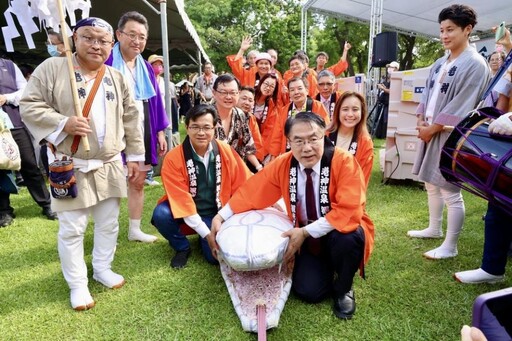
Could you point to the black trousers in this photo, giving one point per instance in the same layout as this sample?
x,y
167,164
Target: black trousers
x,y
332,271
382,124
30,171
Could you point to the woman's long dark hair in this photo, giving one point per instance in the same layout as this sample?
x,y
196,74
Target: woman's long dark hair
x,y
258,92
360,128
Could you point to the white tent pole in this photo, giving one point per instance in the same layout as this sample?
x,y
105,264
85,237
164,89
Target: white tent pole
x,y
165,55
151,6
192,58
199,61
304,25
165,52
373,74
303,28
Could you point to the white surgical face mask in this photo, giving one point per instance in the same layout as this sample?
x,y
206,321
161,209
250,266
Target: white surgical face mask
x,y
390,69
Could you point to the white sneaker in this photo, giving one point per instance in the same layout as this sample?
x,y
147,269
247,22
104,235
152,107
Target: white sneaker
x,y
151,182
476,276
109,279
440,253
81,299
139,236
426,233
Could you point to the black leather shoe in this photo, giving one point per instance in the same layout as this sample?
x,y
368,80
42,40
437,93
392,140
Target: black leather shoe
x,y
180,259
6,219
48,213
345,305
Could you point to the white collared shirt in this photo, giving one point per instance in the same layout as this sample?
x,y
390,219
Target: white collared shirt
x,y
206,158
321,226
326,102
14,97
301,192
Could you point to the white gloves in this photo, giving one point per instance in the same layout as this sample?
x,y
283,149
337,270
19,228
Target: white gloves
x,y
502,125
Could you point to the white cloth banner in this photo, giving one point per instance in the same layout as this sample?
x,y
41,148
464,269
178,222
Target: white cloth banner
x,y
47,14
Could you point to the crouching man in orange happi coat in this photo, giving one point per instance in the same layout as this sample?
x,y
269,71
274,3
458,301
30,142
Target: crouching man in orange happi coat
x,y
323,189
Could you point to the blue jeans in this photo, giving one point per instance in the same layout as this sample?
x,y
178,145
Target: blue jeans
x,y
498,236
169,228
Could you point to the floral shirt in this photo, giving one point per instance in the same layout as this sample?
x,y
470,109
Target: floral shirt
x,y
239,136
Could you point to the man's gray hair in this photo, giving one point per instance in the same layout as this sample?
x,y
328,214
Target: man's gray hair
x,y
326,73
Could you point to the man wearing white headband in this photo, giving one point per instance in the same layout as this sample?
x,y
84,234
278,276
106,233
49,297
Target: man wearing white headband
x,y
48,111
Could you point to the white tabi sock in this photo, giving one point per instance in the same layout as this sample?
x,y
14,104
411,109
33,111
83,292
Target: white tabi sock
x,y
135,233
81,299
109,279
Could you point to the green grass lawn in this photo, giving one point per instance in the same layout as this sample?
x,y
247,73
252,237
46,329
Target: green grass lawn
x,y
405,297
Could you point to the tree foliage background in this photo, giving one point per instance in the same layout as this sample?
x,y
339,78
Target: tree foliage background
x,y
276,24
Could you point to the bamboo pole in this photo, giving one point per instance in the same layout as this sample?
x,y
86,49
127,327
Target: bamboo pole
x,y
71,71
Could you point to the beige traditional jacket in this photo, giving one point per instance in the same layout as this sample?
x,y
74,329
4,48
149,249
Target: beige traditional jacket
x,y
48,100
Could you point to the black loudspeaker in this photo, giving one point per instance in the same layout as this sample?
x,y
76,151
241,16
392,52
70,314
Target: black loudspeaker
x,y
385,48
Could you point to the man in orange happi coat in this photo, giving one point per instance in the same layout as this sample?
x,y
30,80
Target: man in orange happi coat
x,y
299,69
199,177
337,69
246,103
324,192
299,101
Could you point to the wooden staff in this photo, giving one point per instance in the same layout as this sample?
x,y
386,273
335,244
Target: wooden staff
x,y
71,71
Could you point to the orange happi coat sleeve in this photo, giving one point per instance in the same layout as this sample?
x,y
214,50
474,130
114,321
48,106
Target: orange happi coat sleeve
x,y
234,171
346,191
369,235
264,188
261,151
319,109
246,77
176,184
364,156
284,97
287,75
281,96
338,68
267,128
313,84
349,192
278,140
